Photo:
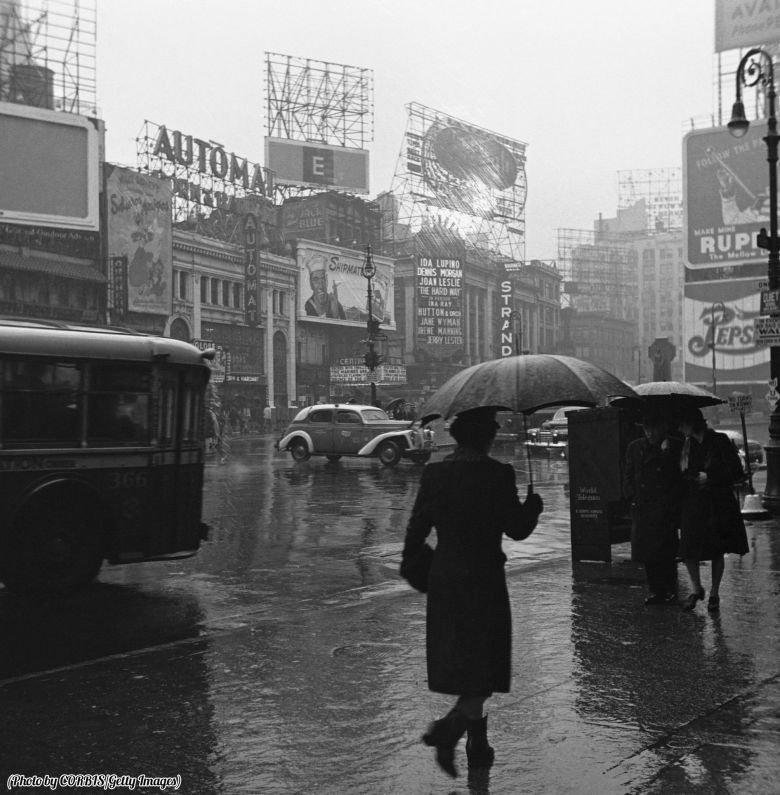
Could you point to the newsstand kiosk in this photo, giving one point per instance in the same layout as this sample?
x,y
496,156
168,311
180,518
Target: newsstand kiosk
x,y
599,513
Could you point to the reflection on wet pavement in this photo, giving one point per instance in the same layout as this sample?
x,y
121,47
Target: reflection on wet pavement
x,y
288,657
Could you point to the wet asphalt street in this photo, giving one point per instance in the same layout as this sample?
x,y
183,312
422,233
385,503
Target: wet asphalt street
x,y
287,657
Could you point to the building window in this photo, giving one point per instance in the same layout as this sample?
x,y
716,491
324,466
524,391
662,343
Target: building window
x,y
204,289
225,293
214,291
183,284
237,296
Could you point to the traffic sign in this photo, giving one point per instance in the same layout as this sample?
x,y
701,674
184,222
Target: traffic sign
x,y
768,330
770,302
740,402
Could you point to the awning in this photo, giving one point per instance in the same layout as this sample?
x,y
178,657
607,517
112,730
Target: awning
x,y
53,267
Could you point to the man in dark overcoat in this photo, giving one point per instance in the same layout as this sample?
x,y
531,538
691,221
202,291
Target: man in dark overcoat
x,y
471,500
652,481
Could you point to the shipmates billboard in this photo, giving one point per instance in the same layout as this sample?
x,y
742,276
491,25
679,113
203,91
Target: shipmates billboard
x,y
333,291
726,195
723,313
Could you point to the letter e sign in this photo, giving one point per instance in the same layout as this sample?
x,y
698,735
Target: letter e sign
x,y
318,165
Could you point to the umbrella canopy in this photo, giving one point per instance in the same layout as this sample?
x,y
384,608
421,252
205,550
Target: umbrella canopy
x,y
525,384
671,395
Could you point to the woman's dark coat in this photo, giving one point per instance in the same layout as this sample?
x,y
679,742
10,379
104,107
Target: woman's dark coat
x,y
711,522
652,481
471,500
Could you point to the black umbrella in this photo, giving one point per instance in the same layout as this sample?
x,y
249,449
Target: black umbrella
x,y
525,384
668,397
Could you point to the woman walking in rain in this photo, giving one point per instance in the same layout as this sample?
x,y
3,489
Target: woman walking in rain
x,y
471,500
711,523
652,481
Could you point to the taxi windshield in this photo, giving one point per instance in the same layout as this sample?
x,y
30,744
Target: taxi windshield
x,y
375,415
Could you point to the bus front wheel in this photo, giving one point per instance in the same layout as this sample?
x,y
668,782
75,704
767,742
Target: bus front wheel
x,y
54,545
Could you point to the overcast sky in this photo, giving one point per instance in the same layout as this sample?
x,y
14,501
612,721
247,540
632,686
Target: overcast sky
x,y
592,86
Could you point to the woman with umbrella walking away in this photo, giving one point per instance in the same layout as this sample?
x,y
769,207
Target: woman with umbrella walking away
x,y
471,500
711,523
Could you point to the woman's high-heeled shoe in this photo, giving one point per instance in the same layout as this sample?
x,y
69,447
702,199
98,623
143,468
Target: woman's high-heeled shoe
x,y
696,596
443,734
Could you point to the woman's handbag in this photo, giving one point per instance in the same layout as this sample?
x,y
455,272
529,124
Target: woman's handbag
x,y
415,565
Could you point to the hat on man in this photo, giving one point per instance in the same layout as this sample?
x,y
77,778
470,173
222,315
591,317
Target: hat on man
x,y
691,415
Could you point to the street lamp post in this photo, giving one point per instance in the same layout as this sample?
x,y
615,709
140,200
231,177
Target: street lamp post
x,y
757,68
714,323
371,359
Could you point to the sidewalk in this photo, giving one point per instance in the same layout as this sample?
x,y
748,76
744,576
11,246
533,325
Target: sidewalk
x,y
608,696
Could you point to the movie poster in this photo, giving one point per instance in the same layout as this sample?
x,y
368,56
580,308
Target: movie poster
x,y
139,228
333,289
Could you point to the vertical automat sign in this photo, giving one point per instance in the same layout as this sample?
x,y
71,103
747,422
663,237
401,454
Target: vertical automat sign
x,y
439,321
250,268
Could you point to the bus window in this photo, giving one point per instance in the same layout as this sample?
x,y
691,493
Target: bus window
x,y
41,403
167,408
192,414
118,405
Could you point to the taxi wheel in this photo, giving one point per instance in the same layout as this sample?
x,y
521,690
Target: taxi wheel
x,y
299,450
389,453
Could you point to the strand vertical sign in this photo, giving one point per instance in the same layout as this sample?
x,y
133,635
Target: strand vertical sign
x,y
250,268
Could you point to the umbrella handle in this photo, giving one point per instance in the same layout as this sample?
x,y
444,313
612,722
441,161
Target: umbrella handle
x,y
528,455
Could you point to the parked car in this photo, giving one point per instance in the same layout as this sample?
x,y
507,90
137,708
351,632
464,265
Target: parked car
x,y
755,449
552,436
335,430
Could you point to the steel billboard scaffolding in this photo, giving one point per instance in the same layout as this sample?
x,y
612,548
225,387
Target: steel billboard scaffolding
x,y
452,175
327,103
599,272
661,190
48,54
317,102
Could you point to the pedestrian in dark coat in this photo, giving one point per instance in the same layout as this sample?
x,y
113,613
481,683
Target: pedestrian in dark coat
x,y
652,481
471,500
711,524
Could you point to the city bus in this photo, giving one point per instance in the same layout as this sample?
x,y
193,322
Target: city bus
x,y
102,451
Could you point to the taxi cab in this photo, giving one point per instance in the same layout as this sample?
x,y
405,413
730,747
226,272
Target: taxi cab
x,y
334,430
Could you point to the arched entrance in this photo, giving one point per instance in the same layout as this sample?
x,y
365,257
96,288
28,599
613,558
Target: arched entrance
x,y
280,371
180,330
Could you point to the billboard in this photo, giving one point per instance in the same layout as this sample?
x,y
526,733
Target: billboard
x,y
726,195
49,168
439,316
317,165
741,24
332,288
465,168
139,228
738,357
